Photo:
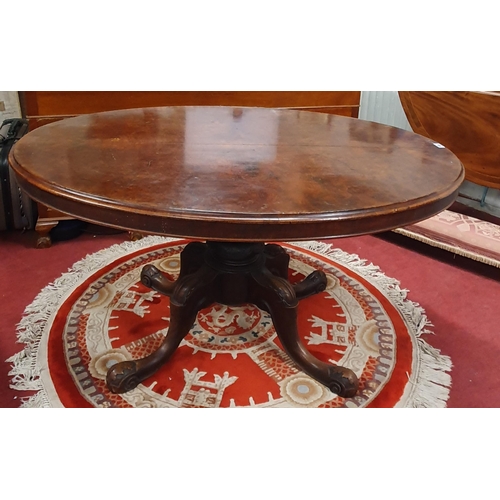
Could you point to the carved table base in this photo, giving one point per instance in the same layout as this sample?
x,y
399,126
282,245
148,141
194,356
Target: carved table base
x,y
233,274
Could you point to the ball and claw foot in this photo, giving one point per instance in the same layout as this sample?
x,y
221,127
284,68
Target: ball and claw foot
x,y
122,377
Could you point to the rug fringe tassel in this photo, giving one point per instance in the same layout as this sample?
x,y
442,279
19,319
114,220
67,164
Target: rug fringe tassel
x,y
25,374
39,400
429,383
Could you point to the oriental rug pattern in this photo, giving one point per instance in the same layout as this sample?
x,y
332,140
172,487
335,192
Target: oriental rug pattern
x,y
99,313
458,233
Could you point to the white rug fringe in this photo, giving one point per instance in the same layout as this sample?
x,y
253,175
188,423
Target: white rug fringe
x,y
39,400
25,372
430,382
429,385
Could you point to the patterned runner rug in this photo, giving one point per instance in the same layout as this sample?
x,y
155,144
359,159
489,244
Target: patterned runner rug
x,y
99,313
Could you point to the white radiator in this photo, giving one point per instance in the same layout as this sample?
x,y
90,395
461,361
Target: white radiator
x,y
9,106
383,107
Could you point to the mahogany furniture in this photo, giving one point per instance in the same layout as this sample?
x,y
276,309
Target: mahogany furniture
x,y
467,123
41,108
233,180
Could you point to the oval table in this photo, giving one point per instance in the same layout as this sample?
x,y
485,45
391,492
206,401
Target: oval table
x,y
233,180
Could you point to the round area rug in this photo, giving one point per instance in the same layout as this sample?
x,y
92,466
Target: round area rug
x,y
100,313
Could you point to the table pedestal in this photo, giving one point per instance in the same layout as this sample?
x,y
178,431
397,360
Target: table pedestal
x,y
233,274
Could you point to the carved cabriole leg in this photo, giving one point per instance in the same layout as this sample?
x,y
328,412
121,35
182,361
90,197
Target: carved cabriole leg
x,y
311,285
233,274
277,261
190,294
277,296
191,261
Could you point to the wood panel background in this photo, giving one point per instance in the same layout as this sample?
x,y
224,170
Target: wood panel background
x,y
45,107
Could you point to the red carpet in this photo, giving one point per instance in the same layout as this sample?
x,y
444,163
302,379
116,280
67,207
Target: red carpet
x,y
459,302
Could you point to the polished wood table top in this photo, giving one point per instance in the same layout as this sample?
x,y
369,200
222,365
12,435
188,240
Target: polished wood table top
x,y
238,174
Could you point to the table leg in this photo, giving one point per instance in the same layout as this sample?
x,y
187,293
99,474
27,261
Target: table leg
x,y
277,261
42,229
279,298
189,294
233,274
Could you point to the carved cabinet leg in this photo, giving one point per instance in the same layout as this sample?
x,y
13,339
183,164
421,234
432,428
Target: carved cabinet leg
x,y
42,229
135,235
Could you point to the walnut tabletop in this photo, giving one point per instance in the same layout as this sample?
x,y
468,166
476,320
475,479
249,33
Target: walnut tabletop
x,y
236,174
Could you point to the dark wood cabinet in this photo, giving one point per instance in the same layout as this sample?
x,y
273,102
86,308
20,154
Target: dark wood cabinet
x,y
466,122
43,107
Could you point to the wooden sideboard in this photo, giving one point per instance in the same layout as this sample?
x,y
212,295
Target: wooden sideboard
x,y
466,122
41,108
